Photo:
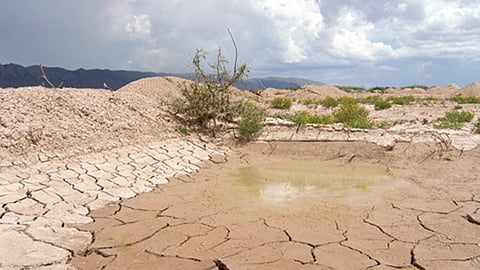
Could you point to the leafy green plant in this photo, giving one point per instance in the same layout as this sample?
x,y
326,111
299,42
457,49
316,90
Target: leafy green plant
x,y
252,120
476,129
371,99
184,130
347,100
453,120
304,117
382,105
329,102
353,115
380,89
283,103
466,99
403,100
458,107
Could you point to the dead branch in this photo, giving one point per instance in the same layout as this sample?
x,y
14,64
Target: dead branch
x,y
44,76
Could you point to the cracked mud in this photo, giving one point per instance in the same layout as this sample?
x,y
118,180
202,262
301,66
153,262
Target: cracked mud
x,y
421,212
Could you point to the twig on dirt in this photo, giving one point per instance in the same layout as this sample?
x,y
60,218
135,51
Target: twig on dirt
x,y
44,76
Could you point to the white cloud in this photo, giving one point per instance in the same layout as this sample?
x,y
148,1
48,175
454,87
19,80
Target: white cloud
x,y
350,38
295,25
139,26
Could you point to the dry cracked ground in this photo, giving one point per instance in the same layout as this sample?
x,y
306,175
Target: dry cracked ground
x,y
93,179
424,215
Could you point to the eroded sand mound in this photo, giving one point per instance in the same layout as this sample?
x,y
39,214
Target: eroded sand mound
x,y
161,89
472,89
37,119
317,92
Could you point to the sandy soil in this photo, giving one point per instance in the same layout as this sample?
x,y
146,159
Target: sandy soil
x,y
425,215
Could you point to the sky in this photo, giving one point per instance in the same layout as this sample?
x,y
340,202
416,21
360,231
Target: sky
x,y
344,42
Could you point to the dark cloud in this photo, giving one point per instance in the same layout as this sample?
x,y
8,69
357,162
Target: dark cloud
x,y
353,39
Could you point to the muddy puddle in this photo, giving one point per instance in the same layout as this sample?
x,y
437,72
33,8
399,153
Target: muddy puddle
x,y
286,181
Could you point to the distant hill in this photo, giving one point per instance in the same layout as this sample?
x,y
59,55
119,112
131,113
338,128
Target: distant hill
x,y
13,75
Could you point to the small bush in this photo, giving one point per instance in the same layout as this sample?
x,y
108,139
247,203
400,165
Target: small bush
x,y
208,99
477,128
283,103
353,115
329,102
184,130
380,89
371,100
252,120
453,120
458,107
466,100
382,105
347,100
304,117
406,100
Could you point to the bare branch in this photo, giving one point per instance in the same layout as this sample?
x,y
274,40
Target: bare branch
x,y
44,76
236,51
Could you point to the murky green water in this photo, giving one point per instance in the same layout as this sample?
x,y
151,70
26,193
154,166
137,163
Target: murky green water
x,y
288,180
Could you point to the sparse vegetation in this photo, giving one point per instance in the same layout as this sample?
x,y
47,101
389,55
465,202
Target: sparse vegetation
x,y
401,100
454,120
477,127
329,102
424,87
184,130
353,115
283,103
466,99
382,105
351,88
251,122
207,100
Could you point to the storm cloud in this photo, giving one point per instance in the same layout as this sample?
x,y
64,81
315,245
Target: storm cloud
x,y
376,42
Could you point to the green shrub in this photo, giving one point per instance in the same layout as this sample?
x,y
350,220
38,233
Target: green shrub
x,y
381,89
382,105
458,107
453,120
431,99
477,128
184,130
347,100
329,102
304,117
252,120
282,103
309,101
353,115
371,100
466,100
208,98
404,100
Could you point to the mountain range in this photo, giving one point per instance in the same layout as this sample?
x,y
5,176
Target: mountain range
x,y
14,75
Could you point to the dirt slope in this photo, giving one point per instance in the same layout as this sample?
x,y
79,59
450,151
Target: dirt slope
x,y
68,121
